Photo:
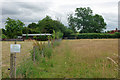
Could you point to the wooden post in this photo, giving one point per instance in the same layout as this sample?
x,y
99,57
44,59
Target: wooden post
x,y
34,54
15,62
48,43
13,65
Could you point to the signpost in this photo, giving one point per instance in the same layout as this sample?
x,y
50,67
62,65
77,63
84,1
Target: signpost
x,y
14,48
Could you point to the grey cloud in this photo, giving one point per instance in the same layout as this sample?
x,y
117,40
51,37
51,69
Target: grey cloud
x,y
40,6
17,8
9,8
10,12
34,11
25,11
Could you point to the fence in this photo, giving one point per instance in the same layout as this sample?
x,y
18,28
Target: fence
x,y
23,59
12,39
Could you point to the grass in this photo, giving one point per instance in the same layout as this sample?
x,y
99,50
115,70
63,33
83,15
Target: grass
x,y
84,58
26,47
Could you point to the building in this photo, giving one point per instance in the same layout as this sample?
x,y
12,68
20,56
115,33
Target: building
x,y
31,36
113,31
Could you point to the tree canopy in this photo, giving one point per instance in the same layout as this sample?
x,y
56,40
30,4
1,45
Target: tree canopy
x,y
13,28
85,21
47,25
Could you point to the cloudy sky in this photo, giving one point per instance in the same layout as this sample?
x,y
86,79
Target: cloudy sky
x,y
30,11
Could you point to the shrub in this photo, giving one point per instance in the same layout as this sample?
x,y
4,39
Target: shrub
x,y
93,36
4,36
26,36
42,38
117,34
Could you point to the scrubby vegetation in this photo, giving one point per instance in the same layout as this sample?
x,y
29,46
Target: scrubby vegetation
x,y
43,57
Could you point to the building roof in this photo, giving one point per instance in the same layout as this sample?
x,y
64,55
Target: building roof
x,y
36,34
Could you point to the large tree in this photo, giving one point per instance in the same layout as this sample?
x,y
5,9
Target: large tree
x,y
13,28
32,25
85,21
47,25
71,23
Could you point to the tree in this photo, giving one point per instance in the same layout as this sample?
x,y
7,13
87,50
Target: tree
x,y
32,25
26,30
86,22
47,25
3,31
13,28
71,23
4,36
67,32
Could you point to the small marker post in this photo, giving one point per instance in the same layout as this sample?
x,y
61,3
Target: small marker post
x,y
13,65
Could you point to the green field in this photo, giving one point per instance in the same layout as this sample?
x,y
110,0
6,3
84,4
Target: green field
x,y
84,58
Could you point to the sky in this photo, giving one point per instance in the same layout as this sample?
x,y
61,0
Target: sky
x,y
29,11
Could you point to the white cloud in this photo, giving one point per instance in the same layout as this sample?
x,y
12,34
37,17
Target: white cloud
x,y
33,10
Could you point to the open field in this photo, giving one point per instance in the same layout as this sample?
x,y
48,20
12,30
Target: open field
x,y
84,58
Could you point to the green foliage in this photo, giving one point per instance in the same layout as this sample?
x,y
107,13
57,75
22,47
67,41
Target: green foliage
x,y
56,43
4,36
59,35
13,28
93,36
32,25
67,32
26,36
41,48
85,21
24,68
71,22
41,65
48,52
26,30
3,31
42,38
49,37
53,35
47,25
117,34
35,37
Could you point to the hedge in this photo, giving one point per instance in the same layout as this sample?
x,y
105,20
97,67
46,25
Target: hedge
x,y
93,36
85,36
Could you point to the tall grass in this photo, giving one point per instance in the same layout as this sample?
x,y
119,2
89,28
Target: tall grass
x,y
42,64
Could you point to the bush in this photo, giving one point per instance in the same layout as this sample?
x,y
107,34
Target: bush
x,y
117,34
93,36
67,32
4,36
42,38
26,36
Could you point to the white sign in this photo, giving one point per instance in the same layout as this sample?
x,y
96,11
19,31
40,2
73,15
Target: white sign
x,y
15,48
